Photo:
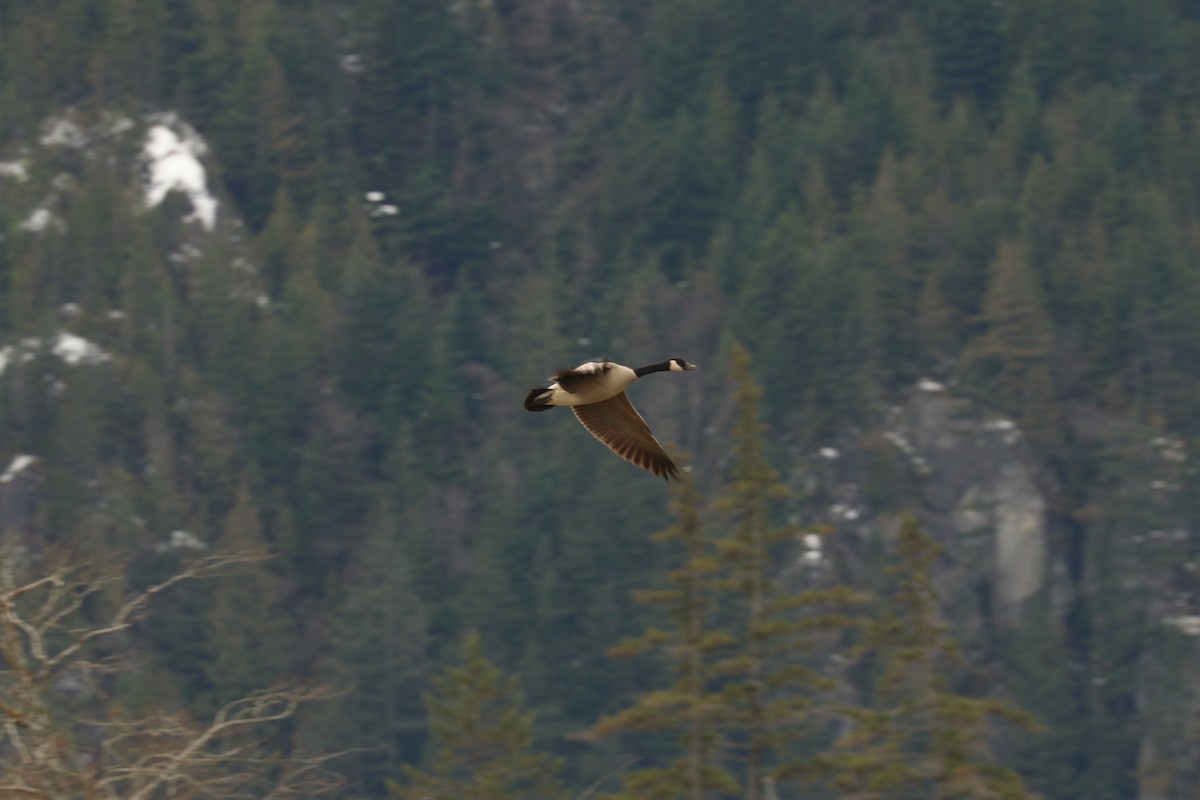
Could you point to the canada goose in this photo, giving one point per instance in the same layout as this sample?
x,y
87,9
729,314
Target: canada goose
x,y
595,391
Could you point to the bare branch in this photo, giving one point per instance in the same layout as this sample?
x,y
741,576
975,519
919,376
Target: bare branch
x,y
205,567
136,759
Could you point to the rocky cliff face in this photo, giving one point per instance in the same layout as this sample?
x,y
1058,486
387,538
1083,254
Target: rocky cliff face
x,y
981,493
1077,586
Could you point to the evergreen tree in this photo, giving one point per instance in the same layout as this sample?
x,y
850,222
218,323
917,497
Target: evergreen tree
x,y
881,236
747,222
378,657
691,704
386,319
968,41
418,61
273,247
249,629
584,575
769,685
935,321
242,132
745,691
1010,360
775,294
1041,664
873,186
481,739
918,738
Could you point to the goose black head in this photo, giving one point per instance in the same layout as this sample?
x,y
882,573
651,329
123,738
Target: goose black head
x,y
680,365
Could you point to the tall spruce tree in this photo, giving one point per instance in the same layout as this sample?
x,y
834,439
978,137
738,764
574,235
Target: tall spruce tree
x,y
378,658
482,739
250,631
771,687
746,693
691,704
1010,360
918,737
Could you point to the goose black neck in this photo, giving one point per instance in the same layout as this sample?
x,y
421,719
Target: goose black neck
x,y
663,367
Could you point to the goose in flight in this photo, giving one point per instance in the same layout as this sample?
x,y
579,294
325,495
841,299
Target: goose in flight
x,y
595,391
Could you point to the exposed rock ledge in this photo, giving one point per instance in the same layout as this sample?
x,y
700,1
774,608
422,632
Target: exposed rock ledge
x,y
979,479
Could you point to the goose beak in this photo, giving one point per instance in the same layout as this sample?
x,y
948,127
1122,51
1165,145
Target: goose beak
x,y
688,366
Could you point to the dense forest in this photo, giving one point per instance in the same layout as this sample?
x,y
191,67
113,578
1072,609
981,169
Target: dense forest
x,y
889,233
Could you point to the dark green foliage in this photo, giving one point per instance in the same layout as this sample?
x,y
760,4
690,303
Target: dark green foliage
x,y
769,677
917,737
864,193
481,738
690,704
386,318
746,679
968,47
377,657
249,630
1011,359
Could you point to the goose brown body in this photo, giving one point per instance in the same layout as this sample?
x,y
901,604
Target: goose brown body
x,y
595,391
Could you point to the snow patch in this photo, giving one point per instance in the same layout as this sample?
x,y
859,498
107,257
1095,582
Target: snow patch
x,y
61,132
21,353
844,512
77,350
116,124
1011,433
812,549
39,220
377,208
18,465
902,444
181,540
72,349
1188,624
186,252
174,165
15,170
1171,448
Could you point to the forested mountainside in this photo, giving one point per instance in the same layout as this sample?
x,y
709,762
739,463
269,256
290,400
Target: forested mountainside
x,y
276,274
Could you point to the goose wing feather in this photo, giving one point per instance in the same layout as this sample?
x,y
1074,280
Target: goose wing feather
x,y
619,426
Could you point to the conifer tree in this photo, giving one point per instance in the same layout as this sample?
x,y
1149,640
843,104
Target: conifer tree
x,y
248,626
378,658
252,179
919,738
968,43
881,232
385,321
935,320
690,704
768,688
482,739
275,244
1011,358
820,209
744,693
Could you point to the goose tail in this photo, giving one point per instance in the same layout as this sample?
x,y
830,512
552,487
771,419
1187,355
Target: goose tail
x,y
538,399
